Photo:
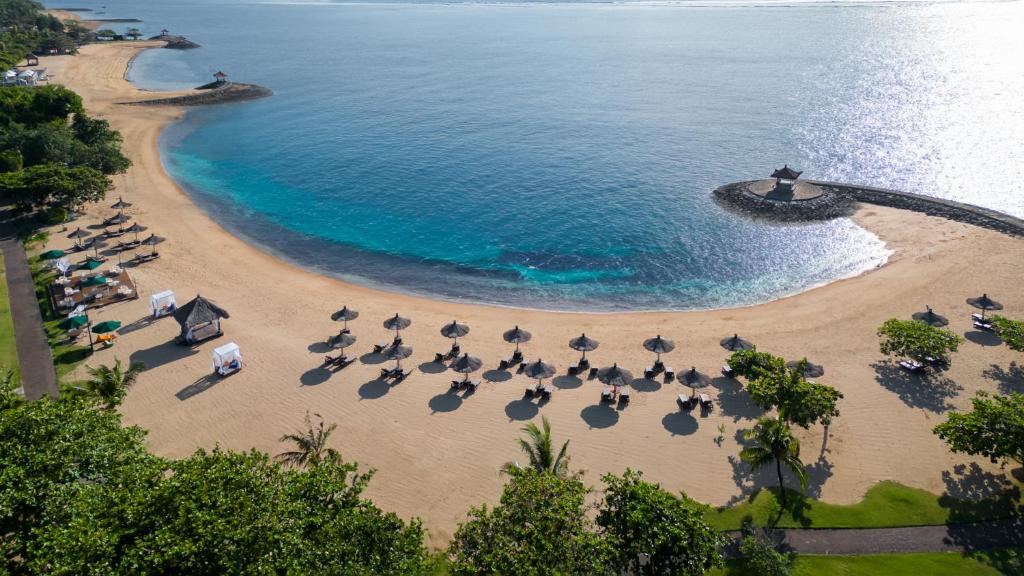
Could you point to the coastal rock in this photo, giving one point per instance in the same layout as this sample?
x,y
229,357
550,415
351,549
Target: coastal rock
x,y
176,42
216,93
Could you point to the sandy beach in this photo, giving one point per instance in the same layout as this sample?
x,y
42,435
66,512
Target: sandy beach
x,y
437,454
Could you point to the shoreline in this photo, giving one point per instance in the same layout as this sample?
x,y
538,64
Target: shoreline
x,y
424,441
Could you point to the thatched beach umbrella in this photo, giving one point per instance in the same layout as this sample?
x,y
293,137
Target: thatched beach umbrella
x,y
120,204
397,352
930,318
135,228
96,244
78,234
153,240
614,375
810,369
539,370
734,343
695,379
583,344
397,323
119,219
984,303
344,315
454,331
659,346
342,340
466,364
517,336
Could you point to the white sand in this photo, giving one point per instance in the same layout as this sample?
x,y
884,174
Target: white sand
x,y
435,464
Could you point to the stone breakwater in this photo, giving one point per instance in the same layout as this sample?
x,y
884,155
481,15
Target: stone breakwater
x,y
229,92
840,199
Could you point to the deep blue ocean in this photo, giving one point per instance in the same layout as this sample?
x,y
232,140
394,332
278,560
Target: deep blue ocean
x,y
562,155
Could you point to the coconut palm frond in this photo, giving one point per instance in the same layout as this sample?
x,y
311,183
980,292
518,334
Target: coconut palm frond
x,y
311,445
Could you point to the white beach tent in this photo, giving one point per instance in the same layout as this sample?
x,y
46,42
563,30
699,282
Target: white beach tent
x,y
227,359
162,303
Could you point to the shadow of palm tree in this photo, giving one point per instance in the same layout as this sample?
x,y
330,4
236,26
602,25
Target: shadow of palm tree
x,y
567,382
161,354
679,423
445,402
600,416
315,376
374,389
521,409
930,391
1009,380
817,474
201,385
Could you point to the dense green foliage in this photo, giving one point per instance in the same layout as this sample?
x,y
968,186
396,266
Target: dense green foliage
x,y
110,384
750,363
53,184
978,563
993,428
798,400
917,340
541,526
1011,331
668,531
772,441
762,559
539,449
25,29
79,494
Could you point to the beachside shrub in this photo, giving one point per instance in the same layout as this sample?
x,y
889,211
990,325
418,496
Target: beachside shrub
x,y
654,531
773,442
798,400
917,340
750,363
994,428
541,526
1010,331
760,558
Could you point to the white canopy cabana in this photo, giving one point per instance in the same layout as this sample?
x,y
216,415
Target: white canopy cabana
x,y
227,359
162,303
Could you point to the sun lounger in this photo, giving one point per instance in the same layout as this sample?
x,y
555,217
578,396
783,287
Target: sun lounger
x,y
986,325
378,348
593,372
935,361
579,367
685,402
505,363
439,358
912,366
472,384
670,374
401,375
649,372
608,394
522,366
705,401
141,258
976,316
624,395
728,372
546,391
386,373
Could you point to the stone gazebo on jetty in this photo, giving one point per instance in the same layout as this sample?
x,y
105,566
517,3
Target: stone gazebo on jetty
x,y
784,198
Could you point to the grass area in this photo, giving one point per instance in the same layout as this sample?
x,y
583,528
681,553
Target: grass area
x,y
987,563
66,356
8,349
885,504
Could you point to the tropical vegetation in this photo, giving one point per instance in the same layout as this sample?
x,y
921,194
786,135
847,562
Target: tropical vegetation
x,y
1010,331
917,340
310,445
539,450
772,442
994,428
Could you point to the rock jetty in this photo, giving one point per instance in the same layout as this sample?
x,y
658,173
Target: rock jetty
x,y
215,93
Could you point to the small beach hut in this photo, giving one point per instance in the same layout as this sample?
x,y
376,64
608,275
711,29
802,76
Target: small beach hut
x,y
227,359
785,178
162,303
220,77
31,60
199,320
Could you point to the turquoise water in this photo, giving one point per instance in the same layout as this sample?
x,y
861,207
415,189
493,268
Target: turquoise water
x,y
562,155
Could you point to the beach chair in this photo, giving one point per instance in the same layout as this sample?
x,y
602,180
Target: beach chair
x,y
456,384
728,372
649,372
983,325
685,402
438,358
912,366
624,395
608,394
505,363
574,368
401,375
705,401
670,375
545,392
378,348
472,384
522,366
593,373
978,317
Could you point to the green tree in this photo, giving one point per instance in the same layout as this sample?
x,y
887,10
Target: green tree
x,y
11,161
773,442
667,531
53,184
750,363
539,448
760,558
110,384
541,526
994,428
917,340
133,33
1011,331
798,400
311,445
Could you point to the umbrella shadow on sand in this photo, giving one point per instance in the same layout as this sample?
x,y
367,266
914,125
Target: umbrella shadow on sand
x,y
201,385
679,423
983,338
600,416
432,367
567,382
315,376
645,385
161,354
930,391
497,375
320,347
374,389
521,409
444,402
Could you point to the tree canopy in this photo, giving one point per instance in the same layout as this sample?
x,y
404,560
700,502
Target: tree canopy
x,y
798,400
750,363
994,428
25,28
53,184
917,340
773,442
1011,331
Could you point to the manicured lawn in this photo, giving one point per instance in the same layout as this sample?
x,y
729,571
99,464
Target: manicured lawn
x,y
65,356
8,349
990,563
885,504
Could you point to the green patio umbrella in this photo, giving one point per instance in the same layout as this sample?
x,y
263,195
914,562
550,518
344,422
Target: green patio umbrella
x,y
73,323
91,264
95,281
106,326
52,254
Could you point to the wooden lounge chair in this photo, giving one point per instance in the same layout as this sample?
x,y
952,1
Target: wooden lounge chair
x,y
912,366
593,372
984,325
728,372
608,394
649,372
685,402
401,375
670,375
378,348
472,384
545,392
456,384
705,401
522,366
505,363
438,358
624,395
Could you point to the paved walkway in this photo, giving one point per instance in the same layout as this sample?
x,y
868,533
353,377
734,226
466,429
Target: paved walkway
x,y
1004,533
34,357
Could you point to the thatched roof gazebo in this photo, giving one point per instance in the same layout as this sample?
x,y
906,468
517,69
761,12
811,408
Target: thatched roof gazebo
x,y
785,178
199,320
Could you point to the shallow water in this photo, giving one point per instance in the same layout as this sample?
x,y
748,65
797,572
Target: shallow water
x,y
562,155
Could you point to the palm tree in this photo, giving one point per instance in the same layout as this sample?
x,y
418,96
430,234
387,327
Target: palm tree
x,y
773,441
311,445
538,447
110,385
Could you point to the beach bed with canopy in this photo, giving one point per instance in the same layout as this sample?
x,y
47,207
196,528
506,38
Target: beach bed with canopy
x,y
227,359
162,303
199,320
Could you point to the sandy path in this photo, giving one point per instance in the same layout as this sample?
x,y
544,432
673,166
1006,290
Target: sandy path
x,y
437,455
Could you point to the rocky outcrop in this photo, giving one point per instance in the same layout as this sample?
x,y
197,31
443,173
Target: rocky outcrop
x,y
738,198
224,93
176,42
